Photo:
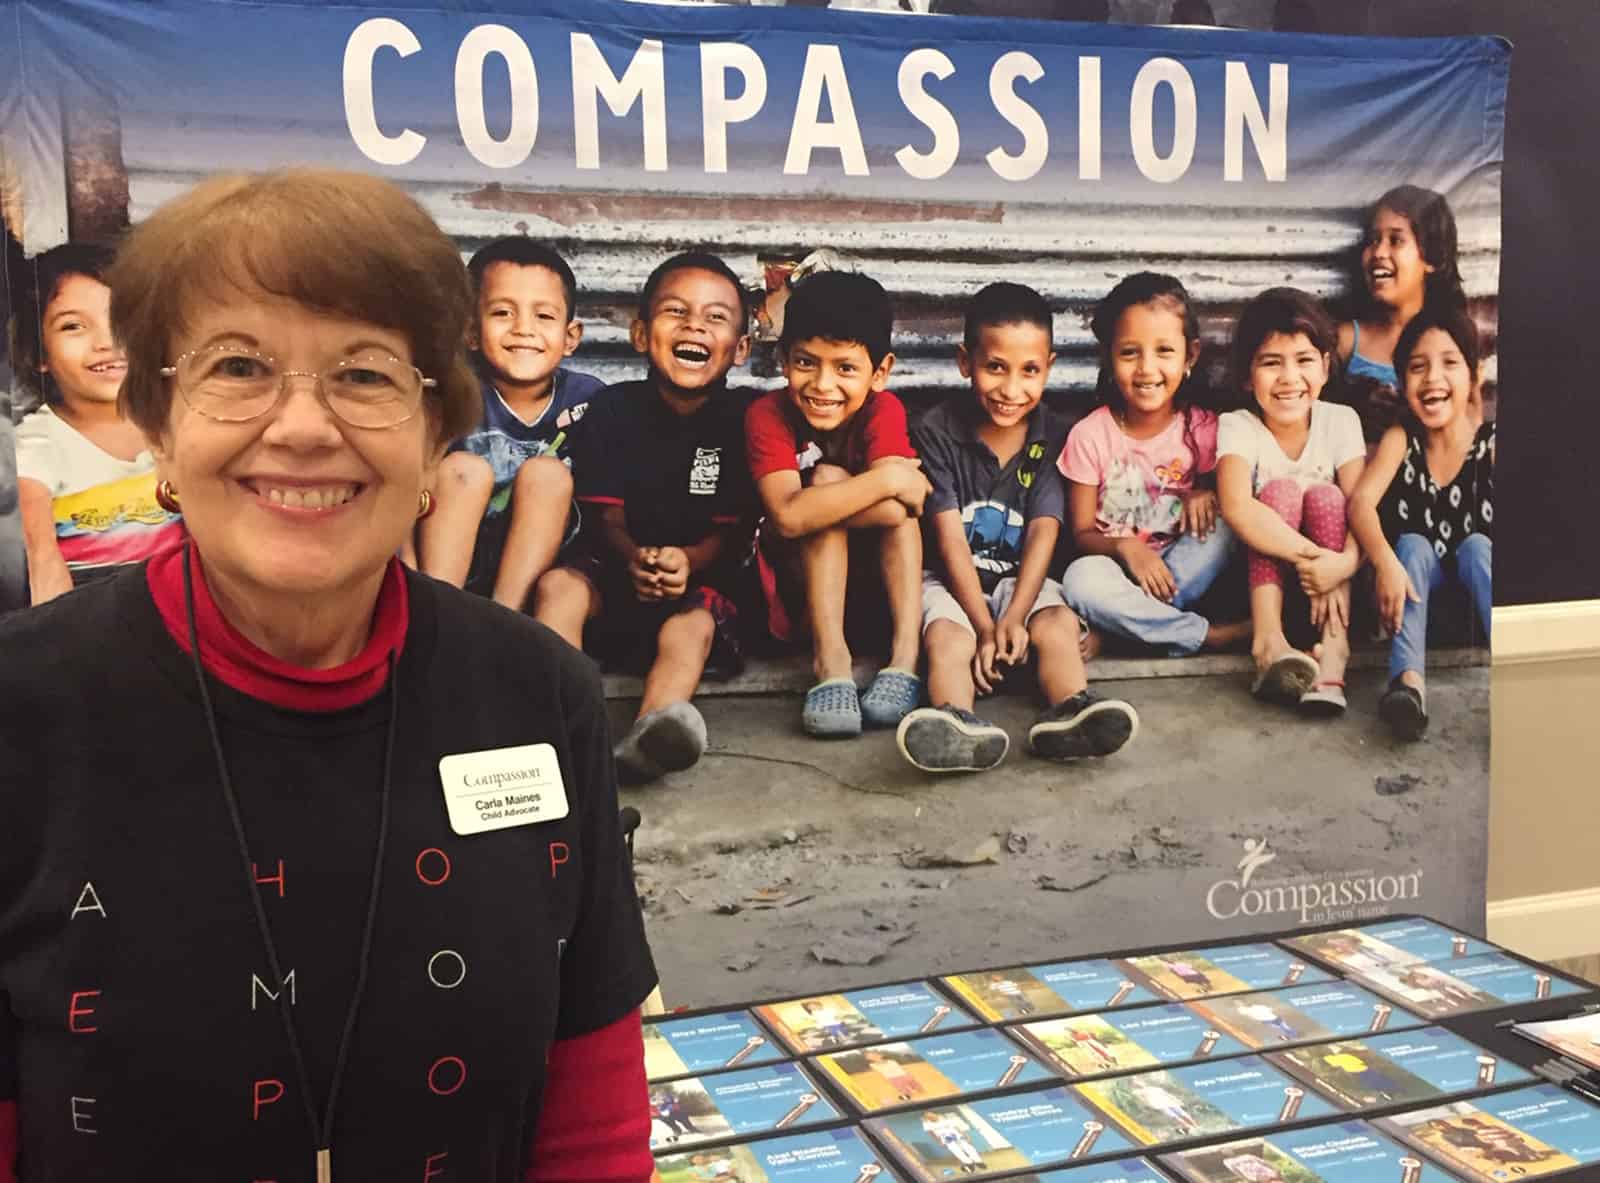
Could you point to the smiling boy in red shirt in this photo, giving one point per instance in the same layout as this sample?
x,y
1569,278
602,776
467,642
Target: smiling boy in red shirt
x,y
840,485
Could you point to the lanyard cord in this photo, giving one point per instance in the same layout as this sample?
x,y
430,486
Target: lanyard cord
x,y
321,1129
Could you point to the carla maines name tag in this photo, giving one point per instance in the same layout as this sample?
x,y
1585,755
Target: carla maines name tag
x,y
503,787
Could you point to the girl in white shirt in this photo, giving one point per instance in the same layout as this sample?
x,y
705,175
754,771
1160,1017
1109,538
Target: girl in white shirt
x,y
86,480
1284,473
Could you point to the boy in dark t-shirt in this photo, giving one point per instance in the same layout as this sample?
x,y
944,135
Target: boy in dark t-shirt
x,y
836,476
505,495
668,511
993,521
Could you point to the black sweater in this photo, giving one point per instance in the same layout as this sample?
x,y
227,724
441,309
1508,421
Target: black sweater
x,y
137,1029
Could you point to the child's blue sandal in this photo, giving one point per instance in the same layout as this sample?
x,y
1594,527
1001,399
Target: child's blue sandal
x,y
832,710
893,695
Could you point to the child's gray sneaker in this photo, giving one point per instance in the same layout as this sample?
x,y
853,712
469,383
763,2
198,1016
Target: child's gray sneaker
x,y
949,739
668,740
1086,724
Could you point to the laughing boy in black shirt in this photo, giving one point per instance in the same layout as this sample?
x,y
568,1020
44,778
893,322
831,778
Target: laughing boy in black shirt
x,y
662,463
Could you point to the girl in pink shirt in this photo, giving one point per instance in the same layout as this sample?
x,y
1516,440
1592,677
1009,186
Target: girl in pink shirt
x,y
1141,466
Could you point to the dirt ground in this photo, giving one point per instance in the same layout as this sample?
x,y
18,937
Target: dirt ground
x,y
783,865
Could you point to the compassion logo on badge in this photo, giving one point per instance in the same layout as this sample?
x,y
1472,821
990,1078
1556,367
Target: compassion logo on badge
x,y
1313,899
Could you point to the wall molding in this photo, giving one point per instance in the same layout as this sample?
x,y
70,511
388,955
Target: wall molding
x,y
1560,631
1560,924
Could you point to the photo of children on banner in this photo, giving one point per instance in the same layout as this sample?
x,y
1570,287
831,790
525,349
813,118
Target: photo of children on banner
x,y
842,490
1523,1133
1424,511
667,513
891,1075
1155,1107
503,506
1286,467
86,477
1406,259
1141,467
992,525
826,1022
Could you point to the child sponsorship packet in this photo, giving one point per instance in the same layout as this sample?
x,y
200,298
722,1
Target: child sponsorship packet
x,y
1176,1104
1060,988
890,1075
705,1043
1145,1037
1223,969
1521,1134
1037,1129
1386,944
1122,1170
1403,1068
1347,1152
828,1156
855,1018
1577,1038
749,1101
1470,984
1302,1014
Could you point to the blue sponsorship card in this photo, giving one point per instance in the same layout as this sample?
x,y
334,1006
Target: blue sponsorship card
x,y
826,1156
978,1138
1521,1134
705,1043
1082,1046
749,1101
1059,988
1123,1170
1348,1152
824,1022
1222,969
1175,1104
1402,1068
1302,1014
1385,945
892,1075
1469,984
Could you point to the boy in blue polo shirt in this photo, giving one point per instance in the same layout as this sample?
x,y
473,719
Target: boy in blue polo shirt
x,y
993,521
504,505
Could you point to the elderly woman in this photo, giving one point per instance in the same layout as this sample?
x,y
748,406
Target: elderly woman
x,y
309,865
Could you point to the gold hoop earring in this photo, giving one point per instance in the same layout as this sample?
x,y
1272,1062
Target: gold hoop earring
x,y
424,504
167,497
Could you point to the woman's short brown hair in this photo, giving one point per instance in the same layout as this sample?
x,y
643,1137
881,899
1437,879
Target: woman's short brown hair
x,y
336,242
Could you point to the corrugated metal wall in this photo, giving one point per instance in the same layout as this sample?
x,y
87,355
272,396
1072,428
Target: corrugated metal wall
x,y
930,254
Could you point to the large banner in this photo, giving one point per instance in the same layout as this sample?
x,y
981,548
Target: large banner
x,y
937,154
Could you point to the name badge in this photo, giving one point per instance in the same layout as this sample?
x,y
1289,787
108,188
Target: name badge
x,y
504,787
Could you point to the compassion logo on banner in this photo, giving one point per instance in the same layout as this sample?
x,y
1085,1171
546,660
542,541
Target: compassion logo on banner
x,y
822,114
1308,899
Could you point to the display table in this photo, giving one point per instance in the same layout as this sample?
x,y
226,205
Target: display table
x,y
1337,1054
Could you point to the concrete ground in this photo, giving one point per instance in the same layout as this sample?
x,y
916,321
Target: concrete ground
x,y
782,864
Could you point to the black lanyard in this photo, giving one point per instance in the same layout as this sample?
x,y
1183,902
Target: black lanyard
x,y
321,1127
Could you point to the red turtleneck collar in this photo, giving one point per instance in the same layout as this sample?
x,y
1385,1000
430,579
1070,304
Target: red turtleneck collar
x,y
238,662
